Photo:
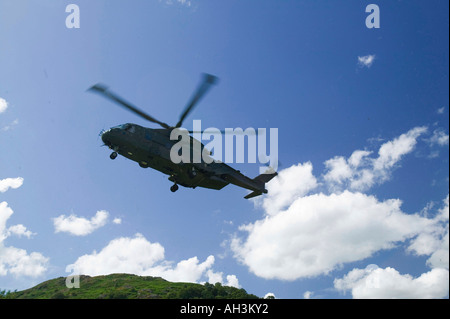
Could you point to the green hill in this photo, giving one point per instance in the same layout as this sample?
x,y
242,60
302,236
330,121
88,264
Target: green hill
x,y
126,286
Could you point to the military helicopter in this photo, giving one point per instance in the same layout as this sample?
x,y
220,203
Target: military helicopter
x,y
151,147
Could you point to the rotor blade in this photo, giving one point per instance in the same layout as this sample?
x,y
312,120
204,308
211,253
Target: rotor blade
x,y
208,80
103,90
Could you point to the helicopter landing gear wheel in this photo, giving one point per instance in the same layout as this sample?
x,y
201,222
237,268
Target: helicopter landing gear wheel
x,y
174,188
113,155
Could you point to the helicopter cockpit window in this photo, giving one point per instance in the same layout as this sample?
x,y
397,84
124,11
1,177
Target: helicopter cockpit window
x,y
129,128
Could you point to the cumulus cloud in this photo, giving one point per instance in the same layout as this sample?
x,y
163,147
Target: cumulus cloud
x,y
439,137
3,105
375,282
391,152
19,230
318,233
10,126
8,183
307,294
16,261
290,184
360,171
269,295
217,277
19,263
433,241
122,255
366,60
136,255
186,3
232,281
388,283
327,222
80,226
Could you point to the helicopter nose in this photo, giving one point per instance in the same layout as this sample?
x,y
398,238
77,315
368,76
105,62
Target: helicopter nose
x,y
105,134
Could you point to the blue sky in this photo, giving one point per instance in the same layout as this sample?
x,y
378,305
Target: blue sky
x,y
360,206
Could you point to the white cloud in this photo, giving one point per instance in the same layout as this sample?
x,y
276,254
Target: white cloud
x,y
19,263
433,241
232,281
311,233
3,105
439,137
366,61
441,110
80,226
214,277
19,230
5,214
117,221
8,183
121,255
360,172
10,126
318,233
186,3
391,152
269,295
290,184
139,256
375,282
190,270
14,260
307,295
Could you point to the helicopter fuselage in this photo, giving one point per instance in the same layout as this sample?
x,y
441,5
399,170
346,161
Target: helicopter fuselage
x,y
151,148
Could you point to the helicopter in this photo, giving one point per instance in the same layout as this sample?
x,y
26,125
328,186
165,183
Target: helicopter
x,y
151,147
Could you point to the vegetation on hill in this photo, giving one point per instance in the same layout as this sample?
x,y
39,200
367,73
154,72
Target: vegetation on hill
x,y
126,286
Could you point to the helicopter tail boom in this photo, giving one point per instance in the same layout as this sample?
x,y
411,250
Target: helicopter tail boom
x,y
265,178
261,180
